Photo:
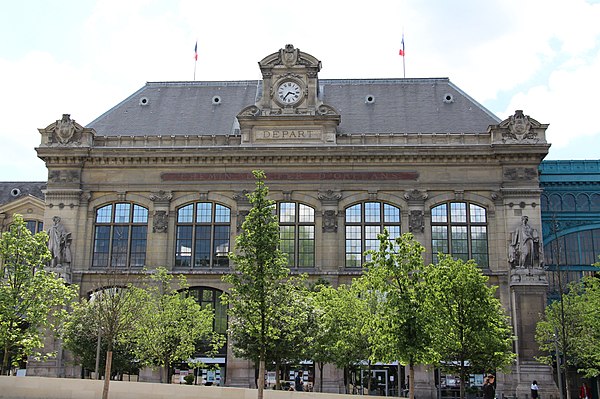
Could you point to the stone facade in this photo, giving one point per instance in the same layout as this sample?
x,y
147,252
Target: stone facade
x,y
412,144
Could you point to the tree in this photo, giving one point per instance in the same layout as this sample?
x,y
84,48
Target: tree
x,y
579,344
32,300
471,331
117,311
401,324
81,338
342,340
259,268
173,325
291,324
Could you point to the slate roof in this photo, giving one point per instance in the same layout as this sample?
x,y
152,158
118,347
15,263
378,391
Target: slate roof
x,y
433,105
10,191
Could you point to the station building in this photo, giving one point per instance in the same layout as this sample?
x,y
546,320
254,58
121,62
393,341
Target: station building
x,y
160,180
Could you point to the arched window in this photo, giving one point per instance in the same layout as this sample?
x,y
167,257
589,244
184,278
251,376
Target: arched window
x,y
297,233
202,235
35,226
364,222
460,229
120,231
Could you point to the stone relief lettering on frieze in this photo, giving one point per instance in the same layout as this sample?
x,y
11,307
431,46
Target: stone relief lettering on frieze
x,y
319,176
291,133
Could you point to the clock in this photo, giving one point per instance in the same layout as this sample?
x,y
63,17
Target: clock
x,y
289,92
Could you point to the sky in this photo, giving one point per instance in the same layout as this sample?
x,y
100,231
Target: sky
x,y
82,57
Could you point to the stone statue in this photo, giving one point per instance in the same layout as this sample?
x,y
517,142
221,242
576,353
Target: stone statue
x,y
59,243
524,249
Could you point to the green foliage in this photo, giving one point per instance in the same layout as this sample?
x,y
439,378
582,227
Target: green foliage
x,y
189,379
259,269
340,315
572,326
173,323
81,338
392,282
32,300
471,329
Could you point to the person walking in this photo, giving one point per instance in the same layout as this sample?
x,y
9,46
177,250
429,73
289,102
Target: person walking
x,y
489,391
584,391
534,390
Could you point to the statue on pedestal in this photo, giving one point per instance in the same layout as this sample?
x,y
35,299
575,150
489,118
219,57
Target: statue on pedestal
x,y
525,249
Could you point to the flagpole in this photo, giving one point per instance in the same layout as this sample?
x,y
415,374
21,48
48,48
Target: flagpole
x,y
195,58
403,56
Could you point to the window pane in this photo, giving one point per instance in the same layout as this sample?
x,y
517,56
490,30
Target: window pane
x,y
477,214
372,212
391,214
222,214
104,214
122,213
458,212
287,212
101,246
306,246
140,214
138,246
185,214
204,212
287,236
439,214
183,254
353,214
120,241
202,244
307,214
221,246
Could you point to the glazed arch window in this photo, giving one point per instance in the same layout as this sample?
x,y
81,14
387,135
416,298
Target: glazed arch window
x,y
460,229
35,226
202,235
364,221
297,233
120,236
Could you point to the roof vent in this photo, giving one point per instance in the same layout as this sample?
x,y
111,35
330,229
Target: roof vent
x,y
369,99
216,100
144,101
448,98
15,192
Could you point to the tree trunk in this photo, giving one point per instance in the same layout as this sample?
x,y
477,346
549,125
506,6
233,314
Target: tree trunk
x,y
261,377
107,373
277,377
411,381
320,365
5,360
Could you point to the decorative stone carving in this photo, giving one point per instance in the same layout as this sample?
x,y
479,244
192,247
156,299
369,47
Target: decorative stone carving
x,y
64,176
520,173
161,196
416,221
64,131
528,277
329,198
519,129
416,195
241,198
525,249
330,224
325,109
241,217
161,222
251,110
59,243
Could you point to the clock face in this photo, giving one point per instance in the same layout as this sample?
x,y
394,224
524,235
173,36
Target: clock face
x,y
289,92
